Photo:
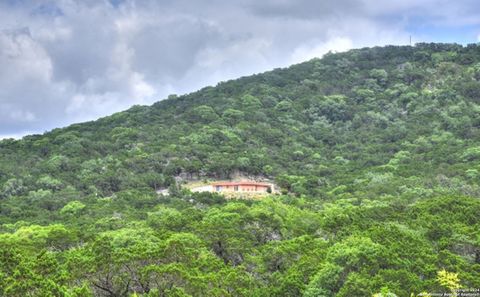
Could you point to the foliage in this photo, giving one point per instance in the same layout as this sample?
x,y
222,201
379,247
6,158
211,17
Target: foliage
x,y
376,152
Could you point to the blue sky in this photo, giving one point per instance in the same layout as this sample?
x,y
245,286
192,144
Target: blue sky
x,y
69,61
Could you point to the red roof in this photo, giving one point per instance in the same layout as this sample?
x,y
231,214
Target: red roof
x,y
241,183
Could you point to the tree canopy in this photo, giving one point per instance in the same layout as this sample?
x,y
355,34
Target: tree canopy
x,y
376,152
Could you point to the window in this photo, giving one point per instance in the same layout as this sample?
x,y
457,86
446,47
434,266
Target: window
x,y
235,188
218,188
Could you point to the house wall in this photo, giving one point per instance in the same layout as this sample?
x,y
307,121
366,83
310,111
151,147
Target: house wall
x,y
229,188
252,188
241,188
207,188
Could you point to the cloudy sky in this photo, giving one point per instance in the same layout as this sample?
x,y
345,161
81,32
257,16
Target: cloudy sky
x,y
68,61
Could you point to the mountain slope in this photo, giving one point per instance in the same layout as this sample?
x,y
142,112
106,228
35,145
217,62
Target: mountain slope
x,y
310,120
372,146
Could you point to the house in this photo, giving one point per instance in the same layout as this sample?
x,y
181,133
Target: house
x,y
242,186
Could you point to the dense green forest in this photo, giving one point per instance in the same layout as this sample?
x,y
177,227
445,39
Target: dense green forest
x,y
376,152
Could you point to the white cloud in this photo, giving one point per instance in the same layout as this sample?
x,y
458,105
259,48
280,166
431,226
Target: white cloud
x,y
309,51
141,90
12,113
15,135
22,57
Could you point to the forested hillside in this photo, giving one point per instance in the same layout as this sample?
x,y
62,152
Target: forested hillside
x,y
376,152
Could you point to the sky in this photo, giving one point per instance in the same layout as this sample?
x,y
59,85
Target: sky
x,y
69,61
